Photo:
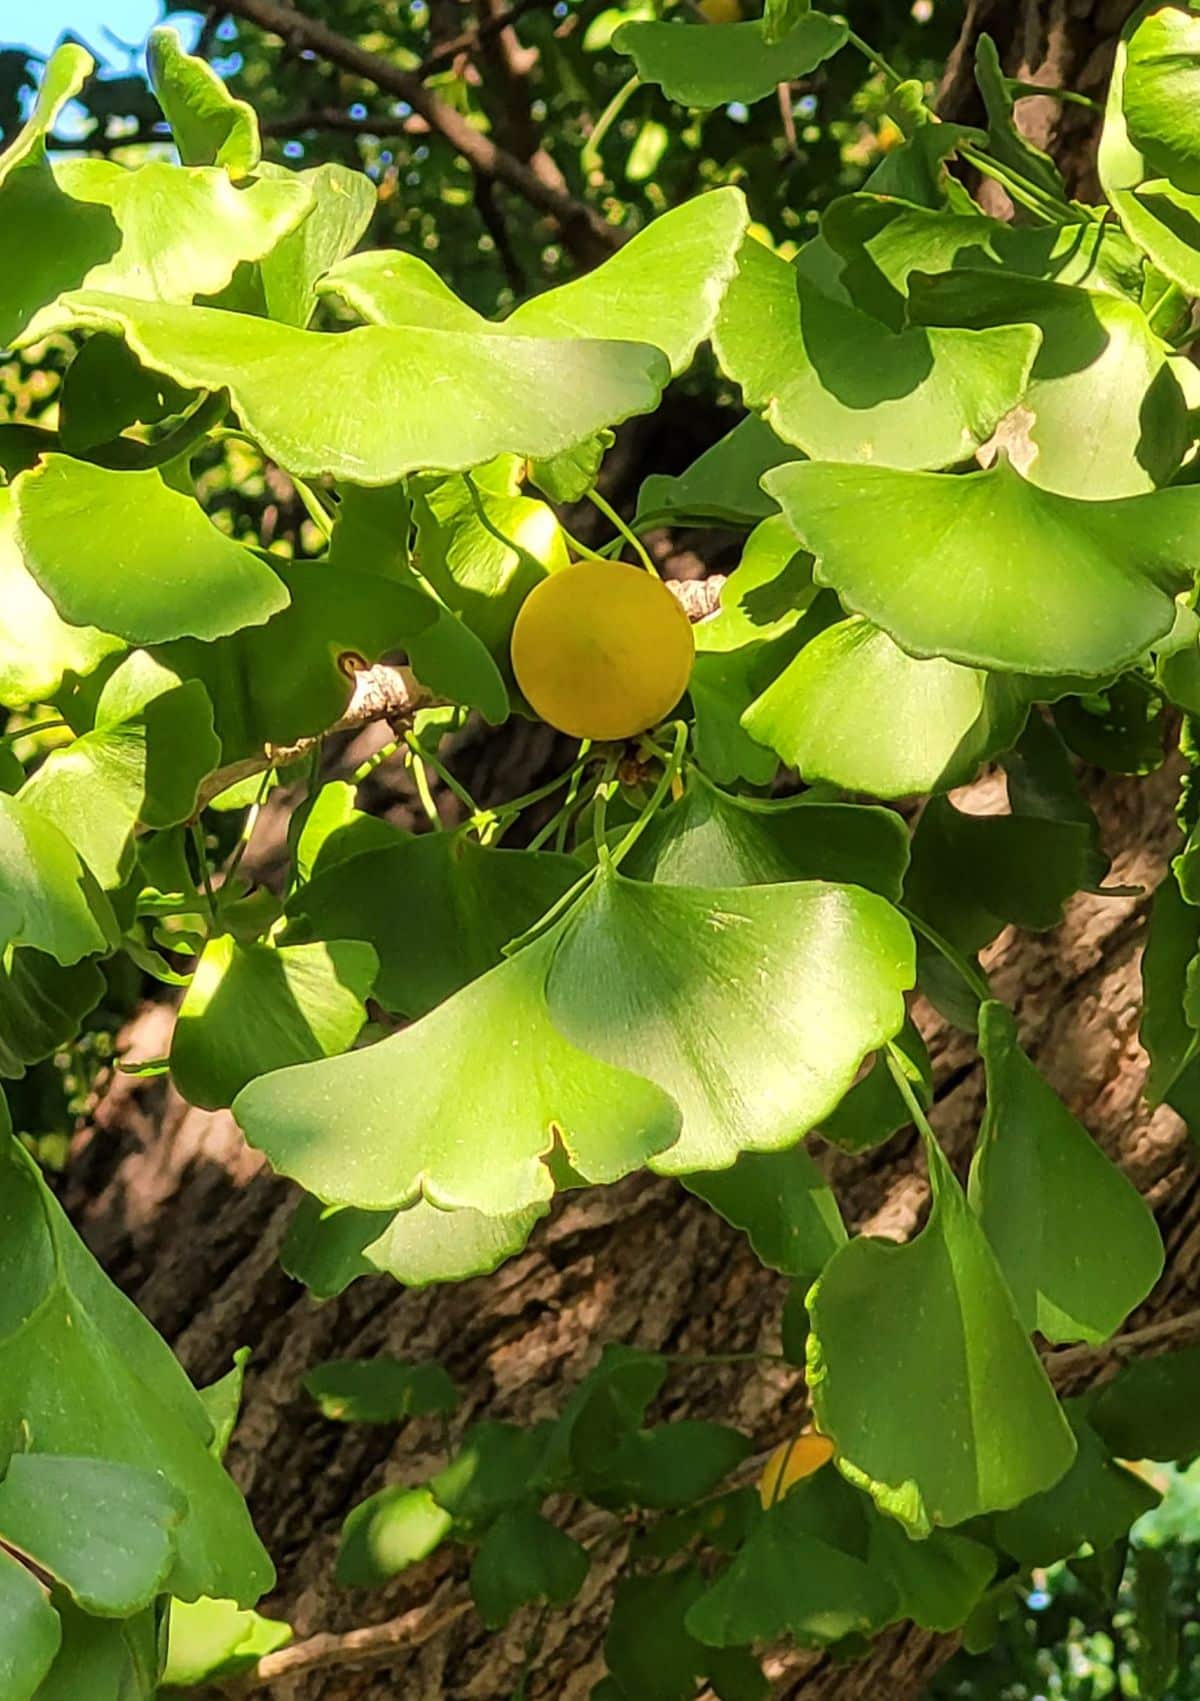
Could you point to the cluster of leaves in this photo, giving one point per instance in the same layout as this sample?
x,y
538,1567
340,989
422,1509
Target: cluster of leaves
x,y
965,491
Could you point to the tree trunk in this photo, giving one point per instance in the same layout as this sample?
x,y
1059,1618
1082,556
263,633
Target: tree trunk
x,y
187,1220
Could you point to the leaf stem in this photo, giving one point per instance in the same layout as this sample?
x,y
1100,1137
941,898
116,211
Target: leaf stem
x,y
971,975
666,780
895,1063
201,850
551,915
631,537
249,824
889,72
688,1359
1018,87
416,766
589,154
1029,196
313,507
609,784
31,731
442,771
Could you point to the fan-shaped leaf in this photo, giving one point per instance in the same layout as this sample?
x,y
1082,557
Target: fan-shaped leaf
x,y
41,1006
486,1065
1077,1244
989,570
48,899
736,1002
29,1630
380,1390
210,127
722,486
522,1558
783,1204
520,395
713,64
252,1009
853,708
944,1336
126,550
843,387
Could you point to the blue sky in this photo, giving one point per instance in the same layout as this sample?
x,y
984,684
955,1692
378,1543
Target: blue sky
x,y
39,24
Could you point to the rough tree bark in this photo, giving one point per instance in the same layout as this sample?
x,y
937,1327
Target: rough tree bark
x,y
188,1221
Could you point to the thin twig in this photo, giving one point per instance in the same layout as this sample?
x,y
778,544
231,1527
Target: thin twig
x,y
353,1650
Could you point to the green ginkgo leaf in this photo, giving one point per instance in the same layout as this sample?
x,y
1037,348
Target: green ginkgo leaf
x,y
710,839
1143,145
184,231
437,910
29,1630
380,1390
66,1331
328,1249
523,1557
1007,141
209,126
42,1005
1011,577
105,391
105,1531
38,649
944,1336
1097,1502
517,395
486,1066
342,202
58,239
142,762
1168,1036
49,899
126,551
1077,1244
712,64
737,1001
854,709
664,287
721,487
783,1204
843,387
215,1639
1106,415
252,1009
106,1659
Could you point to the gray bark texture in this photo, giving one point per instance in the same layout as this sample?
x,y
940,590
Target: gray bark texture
x,y
188,1221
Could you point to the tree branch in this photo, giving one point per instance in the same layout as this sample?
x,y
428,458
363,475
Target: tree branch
x,y
584,232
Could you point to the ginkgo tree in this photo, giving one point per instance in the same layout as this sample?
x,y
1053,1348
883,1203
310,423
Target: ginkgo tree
x,y
965,491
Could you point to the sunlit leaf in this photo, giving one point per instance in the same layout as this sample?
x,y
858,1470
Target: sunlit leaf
x,y
49,900
214,1639
387,1533
209,126
712,64
1011,577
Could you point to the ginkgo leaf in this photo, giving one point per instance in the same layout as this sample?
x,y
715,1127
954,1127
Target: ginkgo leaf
x,y
721,487
854,709
767,594
388,1532
664,287
329,1249
184,230
1160,91
209,126
1108,417
215,1639
709,838
518,395
142,762
712,64
1077,1244
652,1654
1007,141
783,1204
342,202
735,1001
486,1065
65,1332
42,1005
380,1390
49,900
29,1630
437,910
1169,1038
874,1109
105,391
843,387
1097,1502
38,649
523,1557
988,570
105,1531
58,239
105,1659
944,1336
252,1009
126,551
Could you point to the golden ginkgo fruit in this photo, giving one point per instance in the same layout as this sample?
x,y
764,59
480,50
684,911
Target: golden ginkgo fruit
x,y
791,1463
602,650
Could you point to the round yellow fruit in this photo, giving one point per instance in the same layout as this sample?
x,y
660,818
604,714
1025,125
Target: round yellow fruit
x,y
791,1463
722,11
602,650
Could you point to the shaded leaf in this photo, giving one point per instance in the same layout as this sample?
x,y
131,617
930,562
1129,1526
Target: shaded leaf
x,y
783,1204
29,1630
494,1470
722,486
49,900
42,1005
522,1558
944,1336
1077,1244
1096,1502
874,1109
380,1390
